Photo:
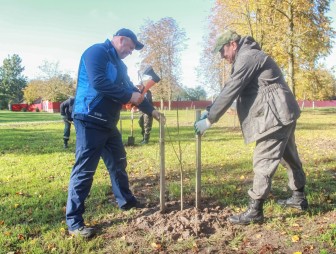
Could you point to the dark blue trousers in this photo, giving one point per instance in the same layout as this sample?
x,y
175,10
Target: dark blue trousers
x,y
93,142
67,128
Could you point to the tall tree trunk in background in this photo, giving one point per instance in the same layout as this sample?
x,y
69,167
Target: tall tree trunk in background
x,y
291,80
295,33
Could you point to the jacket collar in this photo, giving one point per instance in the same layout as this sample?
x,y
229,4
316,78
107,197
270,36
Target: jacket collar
x,y
111,49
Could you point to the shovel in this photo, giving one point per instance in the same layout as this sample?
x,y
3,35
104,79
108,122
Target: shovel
x,y
131,141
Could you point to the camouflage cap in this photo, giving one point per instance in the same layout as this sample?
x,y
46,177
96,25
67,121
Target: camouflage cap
x,y
224,38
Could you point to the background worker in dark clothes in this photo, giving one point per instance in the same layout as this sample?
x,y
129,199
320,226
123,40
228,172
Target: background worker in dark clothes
x,y
145,121
66,111
267,112
103,87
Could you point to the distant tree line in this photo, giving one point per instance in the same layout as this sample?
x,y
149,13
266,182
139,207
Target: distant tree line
x,y
52,84
12,81
296,33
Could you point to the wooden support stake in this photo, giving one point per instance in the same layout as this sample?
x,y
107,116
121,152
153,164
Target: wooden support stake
x,y
162,166
198,163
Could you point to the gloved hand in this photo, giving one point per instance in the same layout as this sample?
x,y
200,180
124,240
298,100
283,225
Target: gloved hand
x,y
202,125
136,98
204,115
157,115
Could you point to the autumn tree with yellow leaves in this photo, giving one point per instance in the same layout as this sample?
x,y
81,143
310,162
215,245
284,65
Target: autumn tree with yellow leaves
x,y
52,84
164,42
296,33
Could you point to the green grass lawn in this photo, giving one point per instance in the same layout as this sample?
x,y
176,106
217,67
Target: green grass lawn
x,y
17,117
35,170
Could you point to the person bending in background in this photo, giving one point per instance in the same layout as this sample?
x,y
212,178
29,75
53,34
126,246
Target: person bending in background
x,y
145,121
66,111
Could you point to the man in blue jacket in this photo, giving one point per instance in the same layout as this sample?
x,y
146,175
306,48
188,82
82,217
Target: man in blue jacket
x,y
103,87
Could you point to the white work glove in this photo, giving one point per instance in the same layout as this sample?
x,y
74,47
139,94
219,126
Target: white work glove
x,y
202,125
204,115
157,115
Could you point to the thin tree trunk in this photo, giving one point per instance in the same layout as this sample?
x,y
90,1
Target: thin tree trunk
x,y
291,81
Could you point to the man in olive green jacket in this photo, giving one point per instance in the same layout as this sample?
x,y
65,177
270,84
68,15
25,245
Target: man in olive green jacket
x,y
267,112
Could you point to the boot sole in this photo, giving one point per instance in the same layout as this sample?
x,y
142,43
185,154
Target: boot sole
x,y
296,207
246,222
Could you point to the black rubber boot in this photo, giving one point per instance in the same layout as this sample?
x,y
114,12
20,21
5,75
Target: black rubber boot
x,y
297,200
65,143
254,214
145,140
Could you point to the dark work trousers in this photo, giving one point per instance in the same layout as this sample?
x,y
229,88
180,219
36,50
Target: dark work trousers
x,y
93,142
146,123
67,128
269,152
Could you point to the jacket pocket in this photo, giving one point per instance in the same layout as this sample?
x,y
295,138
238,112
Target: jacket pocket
x,y
284,106
264,118
95,110
94,102
105,111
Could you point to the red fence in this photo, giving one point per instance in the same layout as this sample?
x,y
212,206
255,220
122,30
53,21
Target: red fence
x,y
54,107
184,104
317,104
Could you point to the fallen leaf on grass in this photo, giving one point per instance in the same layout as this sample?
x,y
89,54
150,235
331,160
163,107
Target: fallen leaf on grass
x,y
20,237
267,248
156,246
16,206
297,252
295,238
93,222
195,248
308,248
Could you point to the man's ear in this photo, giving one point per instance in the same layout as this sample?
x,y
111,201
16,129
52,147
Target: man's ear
x,y
234,45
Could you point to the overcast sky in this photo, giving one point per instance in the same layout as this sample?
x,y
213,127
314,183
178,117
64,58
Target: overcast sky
x,y
60,30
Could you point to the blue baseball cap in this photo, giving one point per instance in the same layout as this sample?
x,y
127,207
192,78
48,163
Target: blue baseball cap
x,y
128,33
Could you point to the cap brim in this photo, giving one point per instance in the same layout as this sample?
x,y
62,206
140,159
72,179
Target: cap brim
x,y
138,45
217,49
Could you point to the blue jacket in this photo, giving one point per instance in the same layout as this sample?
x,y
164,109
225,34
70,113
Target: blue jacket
x,y
103,86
